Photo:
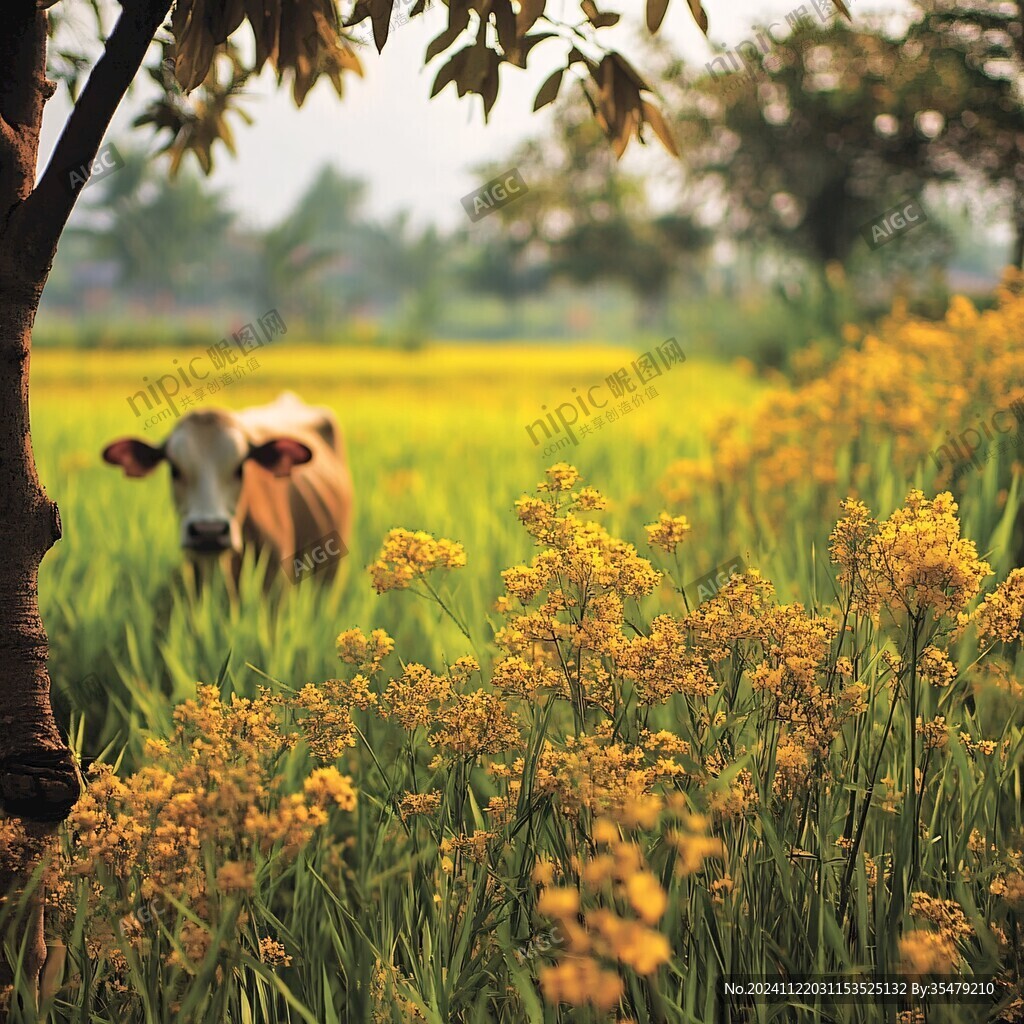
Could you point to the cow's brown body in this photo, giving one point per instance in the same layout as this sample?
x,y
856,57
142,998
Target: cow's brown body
x,y
285,515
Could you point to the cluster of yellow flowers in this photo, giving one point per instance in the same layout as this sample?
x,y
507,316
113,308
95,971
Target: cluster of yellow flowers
x,y
999,616
924,952
467,725
906,390
211,792
366,653
603,776
326,723
616,928
565,631
419,803
607,910
668,532
913,563
947,915
408,556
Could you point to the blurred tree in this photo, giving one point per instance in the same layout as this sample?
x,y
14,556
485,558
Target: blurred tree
x,y
830,130
401,266
494,262
593,219
295,253
983,135
163,234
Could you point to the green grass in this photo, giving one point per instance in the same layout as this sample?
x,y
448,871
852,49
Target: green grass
x,y
436,441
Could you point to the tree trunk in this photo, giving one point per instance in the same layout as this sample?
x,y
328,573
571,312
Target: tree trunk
x,y
38,778
39,781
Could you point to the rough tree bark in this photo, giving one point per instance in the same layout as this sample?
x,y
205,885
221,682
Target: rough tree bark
x,y
39,782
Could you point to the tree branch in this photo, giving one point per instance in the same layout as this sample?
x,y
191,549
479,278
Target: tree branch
x,y
38,222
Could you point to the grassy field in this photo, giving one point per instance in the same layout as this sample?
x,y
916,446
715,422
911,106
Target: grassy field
x,y
437,441
565,794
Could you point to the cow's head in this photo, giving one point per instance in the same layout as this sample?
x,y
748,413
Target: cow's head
x,y
209,454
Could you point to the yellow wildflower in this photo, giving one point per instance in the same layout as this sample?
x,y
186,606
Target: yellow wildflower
x,y
407,556
273,953
924,952
999,616
647,896
668,532
327,785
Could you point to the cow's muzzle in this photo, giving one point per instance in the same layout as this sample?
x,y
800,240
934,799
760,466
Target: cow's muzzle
x,y
208,535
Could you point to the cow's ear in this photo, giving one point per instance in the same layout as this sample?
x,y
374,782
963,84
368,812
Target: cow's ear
x,y
281,455
135,457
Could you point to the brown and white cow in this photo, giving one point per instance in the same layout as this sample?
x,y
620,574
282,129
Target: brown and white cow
x,y
273,477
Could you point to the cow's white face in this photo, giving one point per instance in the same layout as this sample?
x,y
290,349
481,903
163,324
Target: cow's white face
x,y
209,454
207,463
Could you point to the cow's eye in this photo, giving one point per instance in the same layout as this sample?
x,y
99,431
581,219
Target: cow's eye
x,y
175,472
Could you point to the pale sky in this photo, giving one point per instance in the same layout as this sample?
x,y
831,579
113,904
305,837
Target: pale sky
x,y
418,153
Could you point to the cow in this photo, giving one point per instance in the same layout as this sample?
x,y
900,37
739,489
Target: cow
x,y
272,478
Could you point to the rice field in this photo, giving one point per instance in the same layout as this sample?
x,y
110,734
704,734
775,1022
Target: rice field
x,y
548,761
437,441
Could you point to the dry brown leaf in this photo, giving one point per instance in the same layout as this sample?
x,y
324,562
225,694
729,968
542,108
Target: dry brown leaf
x,y
655,14
549,90
654,117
